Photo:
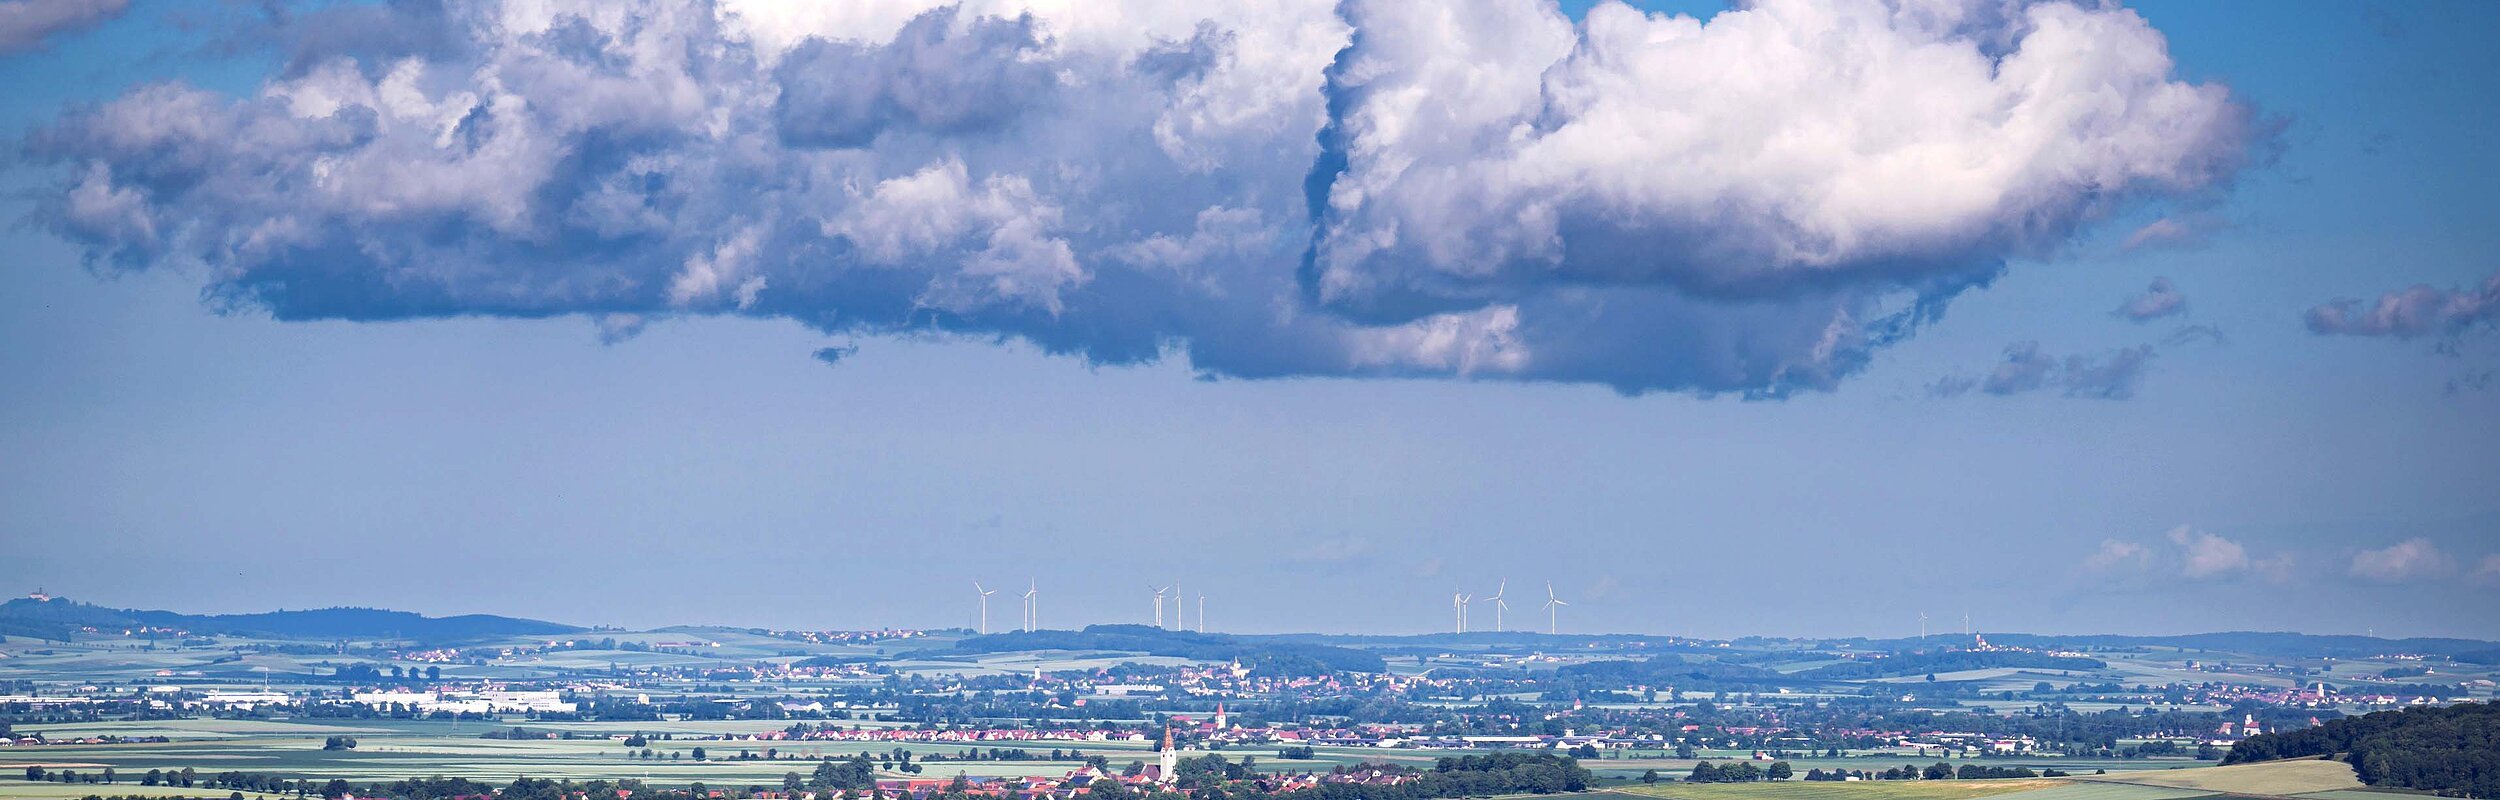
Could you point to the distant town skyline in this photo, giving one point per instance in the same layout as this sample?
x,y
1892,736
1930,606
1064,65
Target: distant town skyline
x,y
1800,318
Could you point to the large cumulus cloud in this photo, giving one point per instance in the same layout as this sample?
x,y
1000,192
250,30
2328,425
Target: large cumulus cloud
x,y
1751,203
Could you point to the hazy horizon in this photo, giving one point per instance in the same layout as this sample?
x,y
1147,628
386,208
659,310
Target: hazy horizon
x,y
2156,319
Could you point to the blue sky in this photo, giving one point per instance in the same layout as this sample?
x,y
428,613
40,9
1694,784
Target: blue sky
x,y
461,450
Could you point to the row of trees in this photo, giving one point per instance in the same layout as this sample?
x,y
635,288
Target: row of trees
x,y
188,778
37,773
368,673
1740,772
1746,772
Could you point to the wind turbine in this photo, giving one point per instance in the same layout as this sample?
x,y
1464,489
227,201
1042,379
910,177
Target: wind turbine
x,y
1202,612
985,606
1498,605
1032,614
1159,603
1458,608
1553,617
1922,626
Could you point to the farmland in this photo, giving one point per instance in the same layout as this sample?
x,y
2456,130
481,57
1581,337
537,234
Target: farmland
x,y
2277,778
1830,790
744,708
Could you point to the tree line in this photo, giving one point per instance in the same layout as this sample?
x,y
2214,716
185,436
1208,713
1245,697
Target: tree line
x,y
2453,750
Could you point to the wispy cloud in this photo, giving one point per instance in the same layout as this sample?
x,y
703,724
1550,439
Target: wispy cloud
x,y
2420,310
2487,572
2411,559
2156,301
2116,554
25,24
2186,552
2189,230
2113,375
2191,334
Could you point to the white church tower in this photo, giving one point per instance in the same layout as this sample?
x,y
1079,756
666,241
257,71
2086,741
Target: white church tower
x,y
1170,759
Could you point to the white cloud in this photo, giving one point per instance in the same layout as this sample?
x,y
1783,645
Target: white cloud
x,y
1461,344
2410,559
2488,571
1783,144
2192,553
2205,555
2115,553
1002,231
1751,203
727,265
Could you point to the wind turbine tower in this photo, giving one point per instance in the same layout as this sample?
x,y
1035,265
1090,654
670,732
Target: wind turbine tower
x,y
985,606
1458,608
1159,604
1202,612
1498,606
1553,616
1032,606
1922,626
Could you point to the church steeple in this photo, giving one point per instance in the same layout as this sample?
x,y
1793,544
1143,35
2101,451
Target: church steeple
x,y
1170,760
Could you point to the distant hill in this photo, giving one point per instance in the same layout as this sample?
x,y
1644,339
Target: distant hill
x,y
57,618
1947,661
2256,643
2259,643
1671,670
1269,657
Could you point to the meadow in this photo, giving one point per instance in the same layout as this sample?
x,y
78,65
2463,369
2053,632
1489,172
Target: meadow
x,y
1835,790
2305,780
2273,778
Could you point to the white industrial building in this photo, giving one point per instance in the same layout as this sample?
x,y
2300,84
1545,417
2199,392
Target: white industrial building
x,y
490,702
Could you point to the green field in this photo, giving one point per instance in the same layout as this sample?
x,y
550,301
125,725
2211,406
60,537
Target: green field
x,y
11,789
1677,768
1836,790
2086,790
2273,778
390,750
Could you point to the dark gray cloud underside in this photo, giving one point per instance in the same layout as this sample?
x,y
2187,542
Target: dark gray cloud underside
x,y
26,24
